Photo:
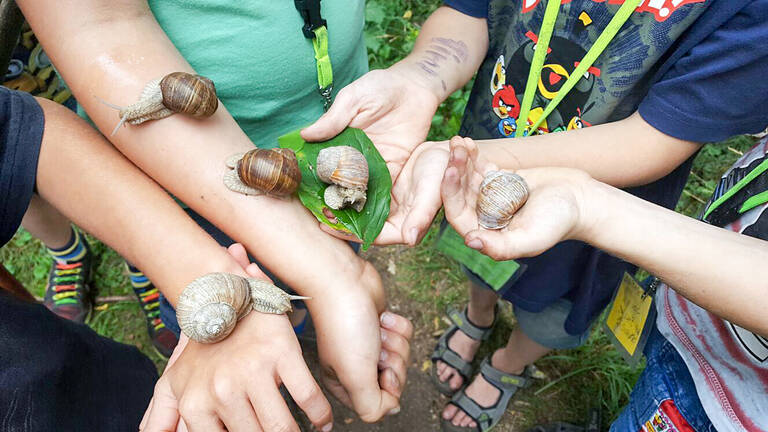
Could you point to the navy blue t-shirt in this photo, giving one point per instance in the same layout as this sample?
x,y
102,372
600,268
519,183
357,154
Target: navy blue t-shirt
x,y
21,132
692,69
712,85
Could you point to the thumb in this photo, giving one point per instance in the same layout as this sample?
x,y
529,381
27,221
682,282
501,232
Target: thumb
x,y
504,244
338,117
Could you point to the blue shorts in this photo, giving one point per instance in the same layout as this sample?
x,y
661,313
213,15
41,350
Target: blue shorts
x,y
665,396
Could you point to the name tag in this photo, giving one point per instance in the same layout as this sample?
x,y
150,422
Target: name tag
x,y
630,318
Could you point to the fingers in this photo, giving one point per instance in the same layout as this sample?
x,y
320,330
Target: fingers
x,y
238,415
270,408
397,324
306,393
163,412
238,252
502,245
338,117
197,416
391,384
457,211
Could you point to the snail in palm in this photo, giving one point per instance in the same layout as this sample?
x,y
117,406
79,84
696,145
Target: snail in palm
x,y
263,171
211,305
346,170
501,196
177,92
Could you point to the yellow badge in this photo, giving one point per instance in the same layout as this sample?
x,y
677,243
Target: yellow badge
x,y
630,317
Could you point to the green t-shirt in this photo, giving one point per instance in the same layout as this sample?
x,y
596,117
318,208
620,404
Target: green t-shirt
x,y
256,54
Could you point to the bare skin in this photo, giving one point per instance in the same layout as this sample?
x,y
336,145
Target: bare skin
x,y
45,223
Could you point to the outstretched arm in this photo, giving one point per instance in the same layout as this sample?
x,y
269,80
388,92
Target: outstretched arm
x,y
568,204
111,49
112,199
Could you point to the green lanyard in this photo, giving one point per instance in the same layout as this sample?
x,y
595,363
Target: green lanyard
x,y
542,46
315,28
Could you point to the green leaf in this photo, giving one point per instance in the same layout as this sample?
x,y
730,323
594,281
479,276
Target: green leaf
x,y
367,224
374,12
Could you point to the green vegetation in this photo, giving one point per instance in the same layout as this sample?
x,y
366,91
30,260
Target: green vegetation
x,y
577,379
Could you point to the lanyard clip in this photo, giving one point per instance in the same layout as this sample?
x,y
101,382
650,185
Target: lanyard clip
x,y
652,287
310,12
325,93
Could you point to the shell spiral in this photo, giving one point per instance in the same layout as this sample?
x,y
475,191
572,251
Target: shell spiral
x,y
189,94
210,306
273,171
501,196
344,166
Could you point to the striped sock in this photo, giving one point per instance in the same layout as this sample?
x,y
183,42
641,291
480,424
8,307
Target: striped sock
x,y
73,251
149,297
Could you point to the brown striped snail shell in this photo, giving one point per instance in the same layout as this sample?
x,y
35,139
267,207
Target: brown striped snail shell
x,y
501,196
177,92
346,169
271,171
210,306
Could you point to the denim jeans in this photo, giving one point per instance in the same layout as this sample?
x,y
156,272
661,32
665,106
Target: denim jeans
x,y
664,393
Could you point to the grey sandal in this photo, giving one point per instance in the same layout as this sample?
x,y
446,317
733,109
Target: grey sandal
x,y
450,357
487,418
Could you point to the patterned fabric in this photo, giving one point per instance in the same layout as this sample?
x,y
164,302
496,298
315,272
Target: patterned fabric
x,y
729,364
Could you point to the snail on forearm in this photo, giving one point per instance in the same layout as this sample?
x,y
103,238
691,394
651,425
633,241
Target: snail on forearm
x,y
211,305
501,196
177,92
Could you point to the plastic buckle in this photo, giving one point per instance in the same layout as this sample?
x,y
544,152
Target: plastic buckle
x,y
310,12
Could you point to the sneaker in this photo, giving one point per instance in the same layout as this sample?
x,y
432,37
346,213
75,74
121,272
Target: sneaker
x,y
68,293
163,339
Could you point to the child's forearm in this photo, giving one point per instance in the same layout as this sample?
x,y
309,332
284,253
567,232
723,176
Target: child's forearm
x,y
108,196
111,50
625,153
685,253
449,50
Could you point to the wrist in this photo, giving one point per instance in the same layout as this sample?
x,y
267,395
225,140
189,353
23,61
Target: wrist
x,y
594,208
433,89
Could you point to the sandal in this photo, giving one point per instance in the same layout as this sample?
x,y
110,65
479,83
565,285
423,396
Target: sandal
x,y
487,418
450,357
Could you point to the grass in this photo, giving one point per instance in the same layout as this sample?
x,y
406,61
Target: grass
x,y
594,374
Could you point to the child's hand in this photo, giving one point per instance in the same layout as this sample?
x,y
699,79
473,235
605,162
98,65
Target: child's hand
x,y
233,384
389,106
350,339
553,212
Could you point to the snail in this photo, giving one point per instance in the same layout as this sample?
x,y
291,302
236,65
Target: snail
x,y
260,171
501,195
177,92
211,305
346,169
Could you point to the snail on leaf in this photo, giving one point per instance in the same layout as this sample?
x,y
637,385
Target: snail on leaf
x,y
177,92
346,170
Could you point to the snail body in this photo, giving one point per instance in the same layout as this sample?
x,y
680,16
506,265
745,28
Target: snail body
x,y
346,170
211,305
259,171
501,196
177,92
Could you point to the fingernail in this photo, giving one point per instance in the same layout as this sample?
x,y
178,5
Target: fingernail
x,y
383,355
394,411
327,428
475,244
383,336
414,235
387,319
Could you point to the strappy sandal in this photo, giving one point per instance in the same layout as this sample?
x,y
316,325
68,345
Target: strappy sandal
x,y
450,357
487,418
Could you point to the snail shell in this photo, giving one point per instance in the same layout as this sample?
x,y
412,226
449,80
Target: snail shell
x,y
344,166
501,195
211,305
272,171
177,92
